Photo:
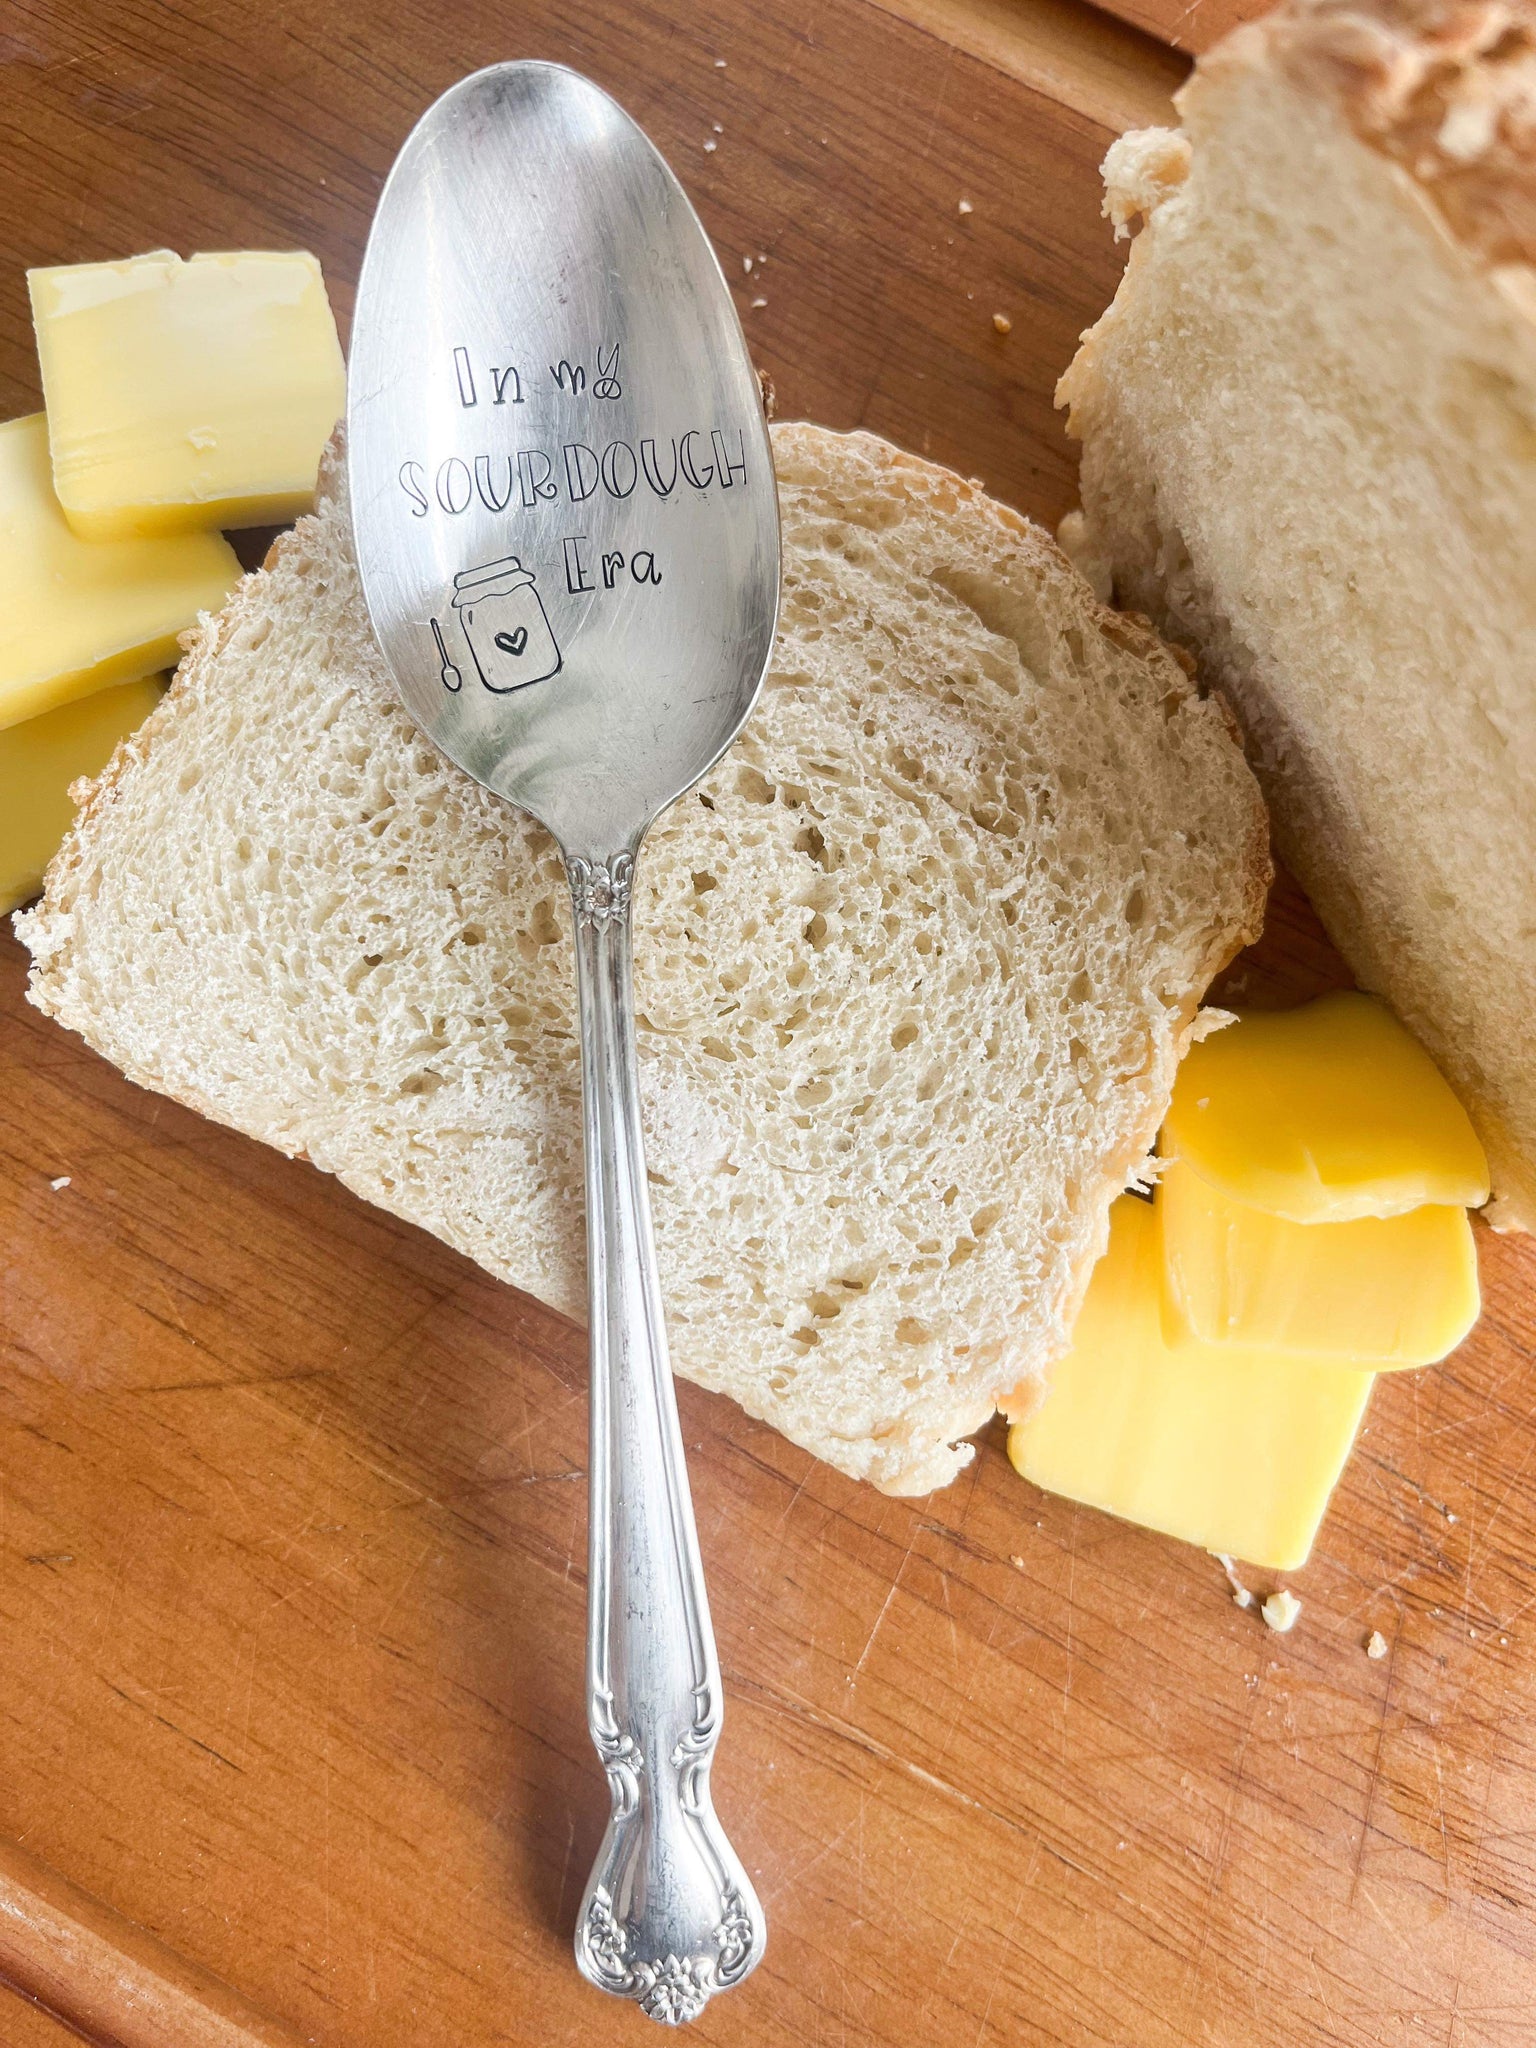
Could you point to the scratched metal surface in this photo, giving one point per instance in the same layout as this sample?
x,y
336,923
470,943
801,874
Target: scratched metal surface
x,y
292,1498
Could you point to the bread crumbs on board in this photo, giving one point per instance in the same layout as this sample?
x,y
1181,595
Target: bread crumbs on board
x,y
1281,1611
1241,1596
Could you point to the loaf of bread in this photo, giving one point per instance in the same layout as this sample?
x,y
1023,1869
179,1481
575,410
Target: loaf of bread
x,y
1309,454
914,964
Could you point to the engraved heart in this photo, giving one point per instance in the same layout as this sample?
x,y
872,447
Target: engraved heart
x,y
513,643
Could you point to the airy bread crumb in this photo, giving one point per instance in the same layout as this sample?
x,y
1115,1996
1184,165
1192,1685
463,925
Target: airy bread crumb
x,y
1281,1611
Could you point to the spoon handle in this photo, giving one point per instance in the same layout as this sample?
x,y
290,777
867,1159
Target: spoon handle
x,y
669,1916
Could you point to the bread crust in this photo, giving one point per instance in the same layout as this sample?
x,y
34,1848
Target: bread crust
x,y
1445,88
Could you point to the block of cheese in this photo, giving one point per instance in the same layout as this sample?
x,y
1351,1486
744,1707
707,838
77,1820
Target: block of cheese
x,y
183,396
1385,1291
79,615
1237,1450
40,758
1324,1114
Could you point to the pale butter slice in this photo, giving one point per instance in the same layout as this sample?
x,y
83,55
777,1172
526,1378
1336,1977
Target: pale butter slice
x,y
1234,1449
77,616
1324,1114
187,395
1387,1292
41,758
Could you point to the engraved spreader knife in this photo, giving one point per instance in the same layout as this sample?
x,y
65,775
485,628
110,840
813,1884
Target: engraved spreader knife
x,y
567,528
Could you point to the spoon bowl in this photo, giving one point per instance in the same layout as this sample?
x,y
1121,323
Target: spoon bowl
x,y
567,530
548,372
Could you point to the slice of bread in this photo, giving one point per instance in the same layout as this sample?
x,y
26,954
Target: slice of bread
x,y
1309,454
914,965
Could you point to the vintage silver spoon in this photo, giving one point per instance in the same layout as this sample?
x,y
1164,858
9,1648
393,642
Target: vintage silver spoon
x,y
567,527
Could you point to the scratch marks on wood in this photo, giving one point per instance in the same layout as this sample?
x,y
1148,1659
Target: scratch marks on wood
x,y
885,1605
565,1869
783,1522
403,1587
1066,1683
1370,1790
1002,1962
780,1699
145,1708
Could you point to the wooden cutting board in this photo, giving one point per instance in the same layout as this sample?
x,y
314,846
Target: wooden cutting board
x,y
1192,25
292,1498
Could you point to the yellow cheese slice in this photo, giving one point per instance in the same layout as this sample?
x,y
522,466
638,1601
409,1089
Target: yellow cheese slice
x,y
1384,1291
187,395
1233,1449
40,758
76,615
1323,1114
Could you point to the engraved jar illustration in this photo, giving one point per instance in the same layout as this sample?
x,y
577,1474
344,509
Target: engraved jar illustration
x,y
504,625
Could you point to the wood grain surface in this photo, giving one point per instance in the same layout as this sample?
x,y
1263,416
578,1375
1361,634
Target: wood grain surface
x,y
28,2025
292,1498
1192,25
